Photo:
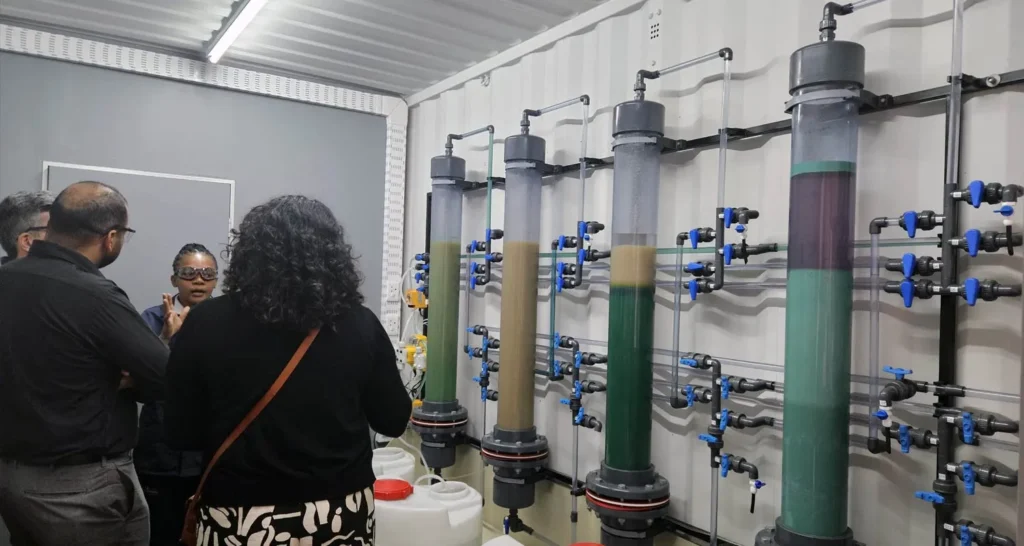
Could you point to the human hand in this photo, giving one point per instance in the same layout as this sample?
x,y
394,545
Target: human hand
x,y
172,319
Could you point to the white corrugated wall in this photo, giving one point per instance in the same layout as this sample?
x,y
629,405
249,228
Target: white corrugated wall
x,y
901,168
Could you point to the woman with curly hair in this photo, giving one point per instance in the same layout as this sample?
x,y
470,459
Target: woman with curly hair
x,y
300,471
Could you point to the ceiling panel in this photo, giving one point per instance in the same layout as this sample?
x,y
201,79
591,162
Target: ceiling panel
x,y
180,24
395,46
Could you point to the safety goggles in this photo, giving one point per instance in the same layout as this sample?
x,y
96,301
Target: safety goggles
x,y
190,273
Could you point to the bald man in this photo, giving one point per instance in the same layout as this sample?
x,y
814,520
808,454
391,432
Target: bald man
x,y
67,425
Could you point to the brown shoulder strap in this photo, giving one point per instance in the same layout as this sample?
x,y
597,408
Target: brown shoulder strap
x,y
258,408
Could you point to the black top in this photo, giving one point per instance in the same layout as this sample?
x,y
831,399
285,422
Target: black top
x,y
153,457
66,334
311,442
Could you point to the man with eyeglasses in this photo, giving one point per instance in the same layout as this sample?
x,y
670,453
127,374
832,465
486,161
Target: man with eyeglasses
x,y
67,423
23,219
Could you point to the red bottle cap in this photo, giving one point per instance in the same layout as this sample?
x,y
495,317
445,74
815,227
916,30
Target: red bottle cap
x,y
391,490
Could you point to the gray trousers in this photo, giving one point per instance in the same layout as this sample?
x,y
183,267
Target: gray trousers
x,y
92,504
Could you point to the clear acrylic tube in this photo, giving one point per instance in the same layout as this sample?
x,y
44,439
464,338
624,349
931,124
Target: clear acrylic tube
x,y
631,301
445,261
519,295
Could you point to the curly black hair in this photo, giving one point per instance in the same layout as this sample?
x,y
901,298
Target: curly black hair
x,y
191,248
291,266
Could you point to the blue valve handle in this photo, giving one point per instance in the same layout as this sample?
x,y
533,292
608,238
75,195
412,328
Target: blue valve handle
x,y
725,387
973,238
707,438
967,426
579,416
485,343
727,216
691,396
561,242
881,415
581,256
694,237
910,223
578,360
723,422
692,267
476,379
758,484
426,267
560,283
419,277
558,339
740,228
473,245
965,536
691,362
907,291
968,470
506,524
577,390
908,264
472,282
1005,210
930,496
977,190
418,257
898,372
581,231
489,257
421,289
563,401
487,234
905,441
694,289
972,287
727,253
725,464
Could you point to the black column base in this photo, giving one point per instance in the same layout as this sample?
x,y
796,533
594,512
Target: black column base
x,y
439,425
780,536
614,536
518,459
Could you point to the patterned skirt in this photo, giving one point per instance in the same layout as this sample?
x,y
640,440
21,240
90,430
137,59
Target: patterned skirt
x,y
345,522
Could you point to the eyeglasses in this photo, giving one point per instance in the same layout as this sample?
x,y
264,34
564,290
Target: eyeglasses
x,y
127,231
35,228
190,273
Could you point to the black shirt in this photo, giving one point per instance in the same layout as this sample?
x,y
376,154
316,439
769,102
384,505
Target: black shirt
x,y
312,441
66,334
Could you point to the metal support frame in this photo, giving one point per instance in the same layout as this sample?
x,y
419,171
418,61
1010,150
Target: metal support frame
x,y
873,104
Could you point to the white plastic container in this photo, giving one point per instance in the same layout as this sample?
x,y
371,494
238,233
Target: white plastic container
x,y
394,462
443,514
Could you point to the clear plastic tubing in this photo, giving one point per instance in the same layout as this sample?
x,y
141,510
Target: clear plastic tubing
x,y
854,6
687,64
723,136
445,249
714,507
955,100
873,342
676,309
523,155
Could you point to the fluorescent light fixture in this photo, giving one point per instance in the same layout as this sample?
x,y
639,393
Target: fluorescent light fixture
x,y
240,18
